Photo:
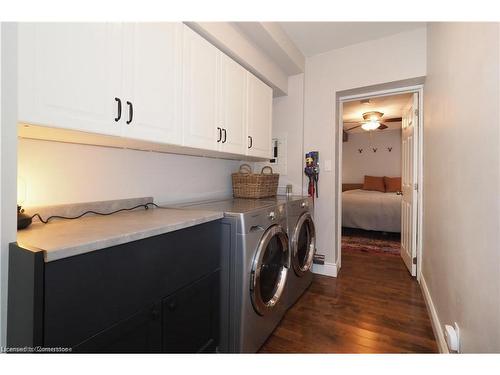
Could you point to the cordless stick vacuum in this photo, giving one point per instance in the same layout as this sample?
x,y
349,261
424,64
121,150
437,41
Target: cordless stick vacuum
x,y
312,172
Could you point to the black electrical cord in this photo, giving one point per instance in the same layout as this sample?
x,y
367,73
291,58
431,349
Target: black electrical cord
x,y
145,206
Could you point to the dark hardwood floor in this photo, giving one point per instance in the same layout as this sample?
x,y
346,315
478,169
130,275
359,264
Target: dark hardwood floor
x,y
374,306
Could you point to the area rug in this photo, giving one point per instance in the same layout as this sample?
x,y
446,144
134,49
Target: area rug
x,y
372,243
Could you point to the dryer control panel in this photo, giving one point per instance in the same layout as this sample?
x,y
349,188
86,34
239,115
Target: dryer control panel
x,y
277,213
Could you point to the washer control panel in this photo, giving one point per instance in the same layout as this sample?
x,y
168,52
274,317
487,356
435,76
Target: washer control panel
x,y
277,213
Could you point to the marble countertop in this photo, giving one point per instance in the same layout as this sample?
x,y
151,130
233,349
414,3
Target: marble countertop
x,y
64,238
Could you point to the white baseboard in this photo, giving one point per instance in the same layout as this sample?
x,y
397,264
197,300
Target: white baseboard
x,y
327,269
436,324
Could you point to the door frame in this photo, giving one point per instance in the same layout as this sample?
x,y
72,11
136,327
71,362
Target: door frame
x,y
419,134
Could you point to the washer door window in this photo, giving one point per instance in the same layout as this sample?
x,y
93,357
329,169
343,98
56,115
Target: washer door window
x,y
303,244
269,270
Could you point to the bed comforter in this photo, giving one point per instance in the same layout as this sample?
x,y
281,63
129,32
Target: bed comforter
x,y
371,210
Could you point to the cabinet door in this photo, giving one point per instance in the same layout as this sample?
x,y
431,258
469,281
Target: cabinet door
x,y
152,80
191,318
232,107
70,74
140,333
260,101
200,88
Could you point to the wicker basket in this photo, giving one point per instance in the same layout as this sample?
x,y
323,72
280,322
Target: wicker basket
x,y
254,185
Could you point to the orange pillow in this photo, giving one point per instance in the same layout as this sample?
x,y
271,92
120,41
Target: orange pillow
x,y
374,183
392,184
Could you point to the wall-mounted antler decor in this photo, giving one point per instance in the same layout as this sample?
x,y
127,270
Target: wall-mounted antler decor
x,y
375,149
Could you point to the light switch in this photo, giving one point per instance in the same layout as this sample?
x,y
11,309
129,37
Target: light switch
x,y
328,165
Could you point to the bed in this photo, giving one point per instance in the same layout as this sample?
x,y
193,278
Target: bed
x,y
371,210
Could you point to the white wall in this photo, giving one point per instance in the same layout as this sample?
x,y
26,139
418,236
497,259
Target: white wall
x,y
8,145
356,165
288,123
461,256
359,65
57,173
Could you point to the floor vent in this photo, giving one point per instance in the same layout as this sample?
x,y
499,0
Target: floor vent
x,y
319,259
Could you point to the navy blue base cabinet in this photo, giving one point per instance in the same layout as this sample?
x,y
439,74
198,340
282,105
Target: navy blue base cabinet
x,y
166,293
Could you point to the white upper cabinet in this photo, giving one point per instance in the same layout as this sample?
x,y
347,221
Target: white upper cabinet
x,y
152,82
110,79
70,74
232,108
259,118
201,90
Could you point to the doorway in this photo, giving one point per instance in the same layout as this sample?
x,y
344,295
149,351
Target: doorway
x,y
385,206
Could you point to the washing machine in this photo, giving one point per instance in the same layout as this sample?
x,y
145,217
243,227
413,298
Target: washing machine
x,y
259,268
302,243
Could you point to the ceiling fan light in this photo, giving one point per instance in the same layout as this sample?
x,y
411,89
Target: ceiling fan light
x,y
370,125
372,116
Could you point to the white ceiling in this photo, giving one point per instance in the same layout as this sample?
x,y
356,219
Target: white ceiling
x,y
390,106
313,38
276,43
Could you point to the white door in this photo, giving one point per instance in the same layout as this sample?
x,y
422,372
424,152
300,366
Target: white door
x,y
409,185
152,82
232,108
259,117
70,74
200,88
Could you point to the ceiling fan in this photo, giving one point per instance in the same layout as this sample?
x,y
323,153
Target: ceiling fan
x,y
371,121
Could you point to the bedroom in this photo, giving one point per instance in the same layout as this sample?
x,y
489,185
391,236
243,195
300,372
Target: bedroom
x,y
372,201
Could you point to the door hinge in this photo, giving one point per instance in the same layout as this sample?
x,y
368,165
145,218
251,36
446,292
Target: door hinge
x,y
415,186
416,112
415,260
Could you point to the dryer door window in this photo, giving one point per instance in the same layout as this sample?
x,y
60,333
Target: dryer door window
x,y
269,270
303,244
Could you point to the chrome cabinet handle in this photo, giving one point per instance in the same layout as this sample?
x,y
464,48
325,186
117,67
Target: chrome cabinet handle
x,y
225,135
220,134
251,141
119,115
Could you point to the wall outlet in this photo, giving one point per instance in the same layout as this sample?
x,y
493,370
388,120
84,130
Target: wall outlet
x,y
457,329
452,337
